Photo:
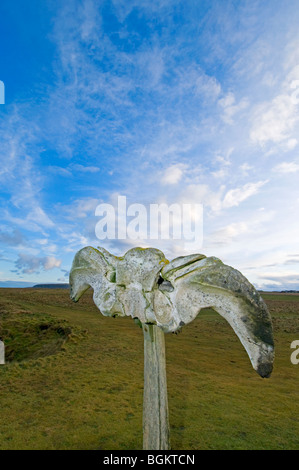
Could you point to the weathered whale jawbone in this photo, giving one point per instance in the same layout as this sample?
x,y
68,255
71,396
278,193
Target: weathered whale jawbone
x,y
144,285
210,283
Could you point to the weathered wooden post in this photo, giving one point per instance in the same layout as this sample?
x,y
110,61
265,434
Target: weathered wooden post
x,y
155,401
2,353
164,296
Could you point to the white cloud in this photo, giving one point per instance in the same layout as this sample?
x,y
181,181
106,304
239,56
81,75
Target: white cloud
x,y
209,86
274,121
38,215
223,163
286,167
226,234
230,107
81,208
217,200
219,174
245,168
74,241
50,262
84,169
291,144
241,230
58,170
227,100
235,196
173,174
201,194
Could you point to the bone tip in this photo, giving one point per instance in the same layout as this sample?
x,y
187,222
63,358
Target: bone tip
x,y
265,369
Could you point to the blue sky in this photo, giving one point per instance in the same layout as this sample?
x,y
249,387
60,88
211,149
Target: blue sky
x,y
161,101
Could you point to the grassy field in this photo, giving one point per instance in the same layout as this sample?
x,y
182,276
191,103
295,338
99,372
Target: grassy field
x,y
75,379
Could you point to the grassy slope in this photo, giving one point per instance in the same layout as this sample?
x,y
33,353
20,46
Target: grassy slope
x,y
89,395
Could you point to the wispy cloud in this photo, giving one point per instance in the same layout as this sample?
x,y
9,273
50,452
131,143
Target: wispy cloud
x,y
235,196
173,174
231,108
287,167
274,121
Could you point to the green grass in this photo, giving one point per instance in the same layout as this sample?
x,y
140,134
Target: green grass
x,y
86,391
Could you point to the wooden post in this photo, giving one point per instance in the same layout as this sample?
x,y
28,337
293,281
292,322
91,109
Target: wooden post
x,y
2,353
155,401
